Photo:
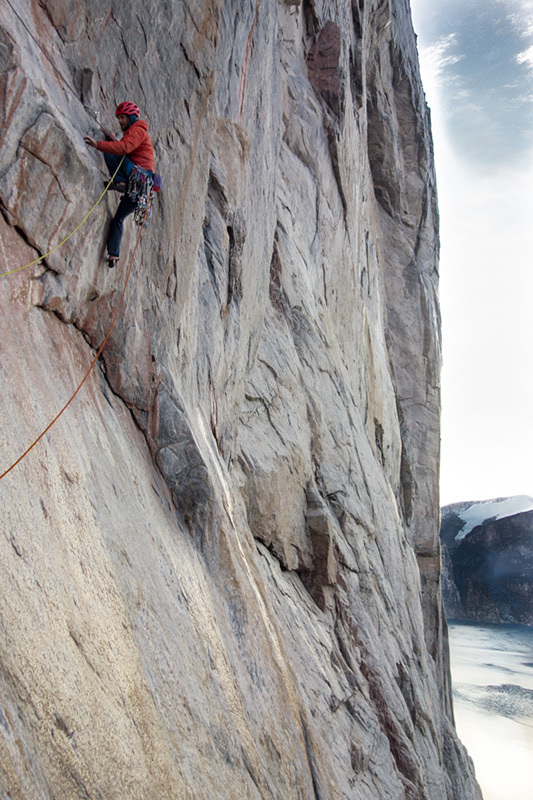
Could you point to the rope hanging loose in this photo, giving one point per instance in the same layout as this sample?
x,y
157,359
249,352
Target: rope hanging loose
x,y
36,261
93,362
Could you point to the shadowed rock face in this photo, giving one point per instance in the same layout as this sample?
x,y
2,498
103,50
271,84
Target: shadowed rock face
x,y
220,568
488,574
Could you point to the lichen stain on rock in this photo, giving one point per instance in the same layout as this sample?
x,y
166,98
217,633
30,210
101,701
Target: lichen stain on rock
x,y
323,64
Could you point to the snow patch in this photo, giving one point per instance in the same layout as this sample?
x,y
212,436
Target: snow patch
x,y
477,513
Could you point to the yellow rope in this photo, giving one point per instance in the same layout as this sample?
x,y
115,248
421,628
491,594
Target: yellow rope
x,y
18,269
93,362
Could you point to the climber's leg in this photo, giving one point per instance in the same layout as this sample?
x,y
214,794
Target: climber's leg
x,y
112,161
125,208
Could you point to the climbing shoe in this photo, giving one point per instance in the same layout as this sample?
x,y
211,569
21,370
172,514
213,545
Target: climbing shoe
x,y
112,261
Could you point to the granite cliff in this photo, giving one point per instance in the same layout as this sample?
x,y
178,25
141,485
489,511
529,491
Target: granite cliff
x,y
488,560
220,567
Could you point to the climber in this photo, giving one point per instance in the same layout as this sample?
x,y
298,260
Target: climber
x,y
138,151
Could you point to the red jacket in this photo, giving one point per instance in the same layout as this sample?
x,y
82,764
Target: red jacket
x,y
135,143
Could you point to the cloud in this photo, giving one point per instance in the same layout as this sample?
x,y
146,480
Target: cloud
x,y
526,57
436,58
480,97
522,17
481,76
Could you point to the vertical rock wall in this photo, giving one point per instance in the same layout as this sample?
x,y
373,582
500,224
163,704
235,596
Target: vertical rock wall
x,y
220,566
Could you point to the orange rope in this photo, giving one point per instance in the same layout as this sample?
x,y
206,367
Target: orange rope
x,y
87,215
95,359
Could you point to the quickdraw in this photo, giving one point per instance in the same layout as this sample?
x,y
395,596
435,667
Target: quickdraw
x,y
141,191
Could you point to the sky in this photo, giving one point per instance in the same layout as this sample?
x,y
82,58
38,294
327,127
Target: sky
x,y
477,69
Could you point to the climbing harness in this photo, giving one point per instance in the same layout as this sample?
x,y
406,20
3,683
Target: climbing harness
x,y
145,190
141,192
143,187
36,261
93,362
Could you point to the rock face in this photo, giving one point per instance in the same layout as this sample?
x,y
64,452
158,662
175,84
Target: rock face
x,y
220,567
488,561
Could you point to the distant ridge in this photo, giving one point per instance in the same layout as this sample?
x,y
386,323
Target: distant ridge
x,y
476,512
487,560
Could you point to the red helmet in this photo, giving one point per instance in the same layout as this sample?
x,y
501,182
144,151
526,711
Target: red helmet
x,y
127,108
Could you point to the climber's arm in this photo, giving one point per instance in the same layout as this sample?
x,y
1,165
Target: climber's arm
x,y
129,142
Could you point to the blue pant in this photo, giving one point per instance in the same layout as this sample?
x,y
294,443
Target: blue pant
x,y
125,207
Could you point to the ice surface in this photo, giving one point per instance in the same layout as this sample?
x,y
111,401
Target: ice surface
x,y
477,513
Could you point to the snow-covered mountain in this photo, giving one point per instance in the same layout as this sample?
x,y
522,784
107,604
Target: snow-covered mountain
x,y
476,513
487,560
